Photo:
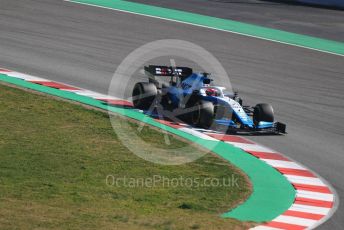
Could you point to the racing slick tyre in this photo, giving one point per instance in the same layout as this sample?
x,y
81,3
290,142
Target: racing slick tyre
x,y
144,94
203,114
263,112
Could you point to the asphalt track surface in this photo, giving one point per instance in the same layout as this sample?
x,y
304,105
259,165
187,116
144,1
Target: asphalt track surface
x,y
302,19
83,45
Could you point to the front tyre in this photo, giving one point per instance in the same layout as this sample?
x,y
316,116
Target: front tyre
x,y
263,112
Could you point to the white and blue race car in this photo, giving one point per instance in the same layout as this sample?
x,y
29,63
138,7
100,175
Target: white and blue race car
x,y
192,98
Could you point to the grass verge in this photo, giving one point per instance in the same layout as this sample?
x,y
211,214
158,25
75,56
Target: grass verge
x,y
58,162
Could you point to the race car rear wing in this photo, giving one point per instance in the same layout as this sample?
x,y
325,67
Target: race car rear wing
x,y
176,74
168,71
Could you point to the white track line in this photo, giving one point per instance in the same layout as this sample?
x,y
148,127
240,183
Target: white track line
x,y
251,147
314,195
265,228
197,134
305,180
309,209
295,220
283,164
26,77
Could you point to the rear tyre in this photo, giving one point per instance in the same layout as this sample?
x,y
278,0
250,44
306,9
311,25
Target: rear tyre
x,y
263,112
144,94
203,114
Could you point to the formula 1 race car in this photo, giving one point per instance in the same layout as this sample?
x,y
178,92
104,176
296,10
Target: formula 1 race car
x,y
192,98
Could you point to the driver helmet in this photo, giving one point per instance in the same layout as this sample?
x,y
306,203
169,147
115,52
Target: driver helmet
x,y
211,92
